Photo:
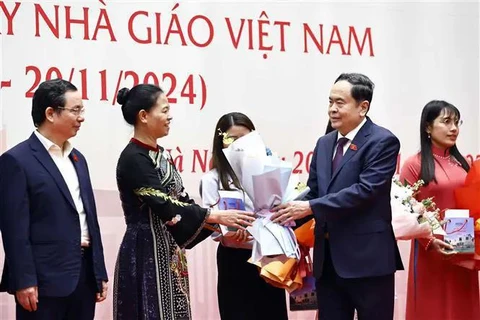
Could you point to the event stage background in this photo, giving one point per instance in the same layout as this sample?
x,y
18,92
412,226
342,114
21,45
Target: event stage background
x,y
273,60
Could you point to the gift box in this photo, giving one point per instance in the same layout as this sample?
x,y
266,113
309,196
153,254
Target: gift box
x,y
304,298
230,199
460,234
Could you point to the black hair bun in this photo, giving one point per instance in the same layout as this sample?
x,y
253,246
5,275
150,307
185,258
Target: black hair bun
x,y
122,95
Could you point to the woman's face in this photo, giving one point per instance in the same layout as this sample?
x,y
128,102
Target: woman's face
x,y
236,132
158,118
445,129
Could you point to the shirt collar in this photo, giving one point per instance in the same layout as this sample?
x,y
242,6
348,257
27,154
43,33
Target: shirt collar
x,y
67,147
351,135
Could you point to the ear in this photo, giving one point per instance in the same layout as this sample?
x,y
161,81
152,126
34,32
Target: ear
x,y
49,114
142,116
428,129
365,106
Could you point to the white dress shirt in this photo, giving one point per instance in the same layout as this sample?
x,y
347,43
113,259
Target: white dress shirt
x,y
350,136
69,174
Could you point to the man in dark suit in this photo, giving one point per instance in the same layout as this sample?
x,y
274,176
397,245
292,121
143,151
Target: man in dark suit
x,y
54,262
355,253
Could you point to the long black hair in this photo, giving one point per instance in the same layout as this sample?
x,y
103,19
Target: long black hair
x,y
430,112
329,127
219,161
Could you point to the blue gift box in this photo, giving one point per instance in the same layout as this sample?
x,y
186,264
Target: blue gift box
x,y
230,200
460,234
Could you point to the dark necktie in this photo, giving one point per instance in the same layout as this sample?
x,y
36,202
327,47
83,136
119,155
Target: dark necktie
x,y
338,154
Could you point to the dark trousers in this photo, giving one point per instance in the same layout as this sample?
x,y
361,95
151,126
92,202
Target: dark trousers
x,y
373,297
80,305
242,293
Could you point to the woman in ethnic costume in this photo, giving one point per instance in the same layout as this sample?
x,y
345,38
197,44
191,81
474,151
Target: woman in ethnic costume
x,y
438,289
151,275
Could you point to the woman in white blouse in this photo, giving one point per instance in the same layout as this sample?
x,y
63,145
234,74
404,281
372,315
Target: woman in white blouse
x,y
242,293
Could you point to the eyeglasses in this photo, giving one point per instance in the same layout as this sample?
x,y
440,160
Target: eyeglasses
x,y
76,111
449,122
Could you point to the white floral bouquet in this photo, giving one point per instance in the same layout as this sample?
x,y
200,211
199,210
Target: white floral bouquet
x,y
411,218
268,181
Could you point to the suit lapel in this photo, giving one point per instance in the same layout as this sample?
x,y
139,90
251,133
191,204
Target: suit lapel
x,y
46,161
81,180
329,152
327,159
359,140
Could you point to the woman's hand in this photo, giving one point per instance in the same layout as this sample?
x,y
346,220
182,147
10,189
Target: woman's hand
x,y
232,218
441,247
241,236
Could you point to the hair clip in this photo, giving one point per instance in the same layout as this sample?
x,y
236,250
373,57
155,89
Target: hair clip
x,y
300,186
226,139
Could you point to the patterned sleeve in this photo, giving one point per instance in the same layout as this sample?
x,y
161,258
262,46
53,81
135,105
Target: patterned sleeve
x,y
185,220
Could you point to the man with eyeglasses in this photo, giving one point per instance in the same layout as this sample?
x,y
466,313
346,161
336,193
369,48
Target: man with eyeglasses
x,y
54,256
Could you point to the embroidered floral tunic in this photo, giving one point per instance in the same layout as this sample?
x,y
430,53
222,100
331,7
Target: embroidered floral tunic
x,y
151,276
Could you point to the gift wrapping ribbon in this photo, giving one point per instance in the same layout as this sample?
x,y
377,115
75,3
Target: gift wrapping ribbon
x,y
305,262
455,230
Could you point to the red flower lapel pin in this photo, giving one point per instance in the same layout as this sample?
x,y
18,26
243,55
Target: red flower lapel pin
x,y
74,157
353,147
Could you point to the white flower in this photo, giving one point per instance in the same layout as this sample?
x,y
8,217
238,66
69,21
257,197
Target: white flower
x,y
408,192
418,208
403,203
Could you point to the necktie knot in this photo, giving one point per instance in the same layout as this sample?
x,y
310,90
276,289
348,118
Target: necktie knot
x,y
342,142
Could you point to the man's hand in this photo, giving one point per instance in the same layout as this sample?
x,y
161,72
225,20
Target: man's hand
x,y
290,211
101,296
28,298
